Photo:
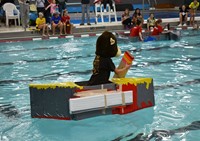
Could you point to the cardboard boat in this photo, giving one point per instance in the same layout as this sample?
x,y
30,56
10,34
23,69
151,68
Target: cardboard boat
x,y
75,101
169,35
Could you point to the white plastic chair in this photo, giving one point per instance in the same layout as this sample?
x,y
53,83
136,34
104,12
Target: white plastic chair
x,y
11,12
97,11
108,13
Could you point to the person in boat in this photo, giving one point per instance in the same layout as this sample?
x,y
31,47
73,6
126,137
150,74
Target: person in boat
x,y
158,29
193,8
106,48
151,21
136,31
183,15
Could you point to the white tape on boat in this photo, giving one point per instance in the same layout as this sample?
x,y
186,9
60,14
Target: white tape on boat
x,y
100,101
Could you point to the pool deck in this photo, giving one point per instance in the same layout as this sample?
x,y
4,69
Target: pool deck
x,y
17,33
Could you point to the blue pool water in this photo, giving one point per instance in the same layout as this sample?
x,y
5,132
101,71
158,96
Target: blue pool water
x,y
174,66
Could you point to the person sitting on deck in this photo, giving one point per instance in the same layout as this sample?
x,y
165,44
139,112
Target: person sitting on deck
x,y
41,24
183,15
126,20
158,29
137,16
56,22
193,8
151,21
66,22
136,31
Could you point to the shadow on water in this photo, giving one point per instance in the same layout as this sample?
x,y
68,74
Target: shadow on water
x,y
9,110
159,135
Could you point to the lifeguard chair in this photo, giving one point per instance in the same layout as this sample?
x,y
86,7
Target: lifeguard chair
x,y
99,11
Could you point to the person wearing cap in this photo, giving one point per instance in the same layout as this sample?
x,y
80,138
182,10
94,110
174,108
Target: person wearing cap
x,y
56,22
41,24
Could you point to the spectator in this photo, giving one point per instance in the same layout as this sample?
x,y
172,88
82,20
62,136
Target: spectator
x,y
183,15
85,9
24,12
126,20
40,6
158,29
52,7
193,8
137,16
62,5
110,2
47,13
151,22
41,24
137,30
56,22
66,22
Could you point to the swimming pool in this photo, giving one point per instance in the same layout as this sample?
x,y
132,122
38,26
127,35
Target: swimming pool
x,y
174,65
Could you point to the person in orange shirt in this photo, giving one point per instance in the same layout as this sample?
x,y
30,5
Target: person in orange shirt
x,y
136,31
158,29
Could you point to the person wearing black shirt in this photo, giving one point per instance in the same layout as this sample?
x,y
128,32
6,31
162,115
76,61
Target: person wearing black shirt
x,y
106,48
183,15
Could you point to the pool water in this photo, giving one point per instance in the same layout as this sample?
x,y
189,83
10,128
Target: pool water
x,y
174,66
